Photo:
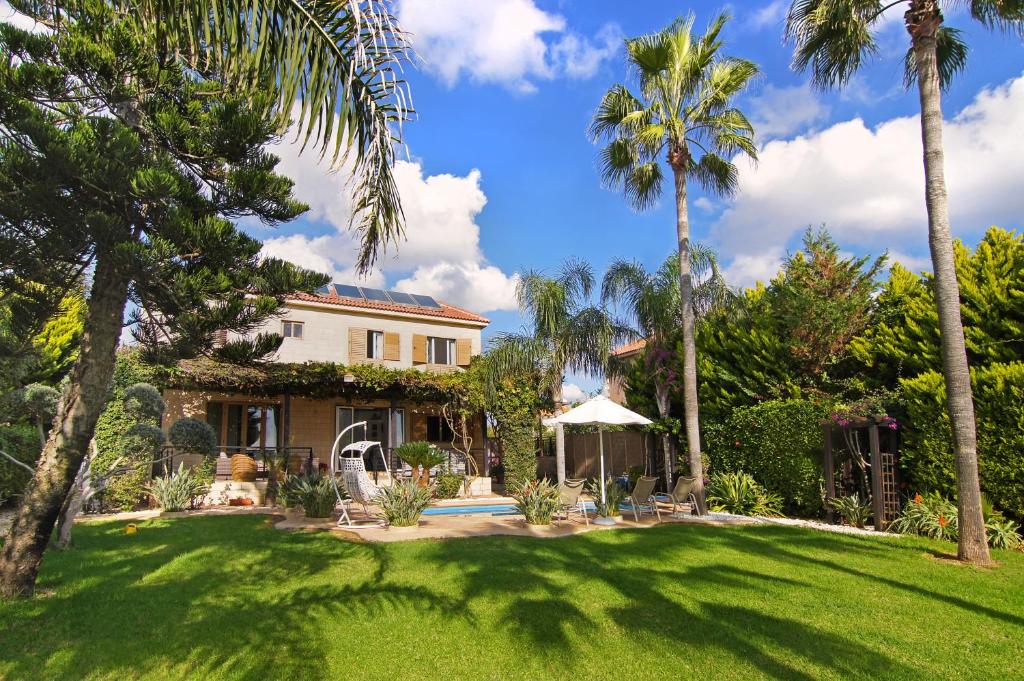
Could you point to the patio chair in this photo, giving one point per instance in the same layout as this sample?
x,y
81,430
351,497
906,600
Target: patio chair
x,y
641,500
681,494
569,500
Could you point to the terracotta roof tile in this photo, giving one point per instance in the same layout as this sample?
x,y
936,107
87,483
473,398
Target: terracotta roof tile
x,y
446,311
629,348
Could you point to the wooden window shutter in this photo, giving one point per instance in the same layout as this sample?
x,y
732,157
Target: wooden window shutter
x,y
463,351
419,349
356,345
392,349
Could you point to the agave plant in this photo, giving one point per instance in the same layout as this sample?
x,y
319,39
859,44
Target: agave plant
x,y
179,490
403,502
854,511
537,501
314,492
930,515
740,494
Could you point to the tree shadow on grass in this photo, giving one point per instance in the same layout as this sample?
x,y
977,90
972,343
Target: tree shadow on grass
x,y
662,584
201,597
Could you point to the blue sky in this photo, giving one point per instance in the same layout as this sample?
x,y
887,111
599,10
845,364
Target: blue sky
x,y
501,175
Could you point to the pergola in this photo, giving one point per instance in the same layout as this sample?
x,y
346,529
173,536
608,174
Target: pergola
x,y
882,464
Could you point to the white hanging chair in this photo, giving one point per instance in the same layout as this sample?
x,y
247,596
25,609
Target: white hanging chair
x,y
349,463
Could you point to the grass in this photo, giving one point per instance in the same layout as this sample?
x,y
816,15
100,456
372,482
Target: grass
x,y
230,597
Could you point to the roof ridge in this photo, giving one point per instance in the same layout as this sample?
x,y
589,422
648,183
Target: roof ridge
x,y
445,312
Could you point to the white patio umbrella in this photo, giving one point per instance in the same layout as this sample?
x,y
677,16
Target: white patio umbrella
x,y
600,411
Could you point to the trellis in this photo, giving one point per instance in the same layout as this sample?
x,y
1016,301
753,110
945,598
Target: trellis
x,y
884,473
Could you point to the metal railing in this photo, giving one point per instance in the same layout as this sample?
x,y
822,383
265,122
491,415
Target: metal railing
x,y
292,459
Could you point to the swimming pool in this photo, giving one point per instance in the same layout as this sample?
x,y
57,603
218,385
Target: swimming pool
x,y
479,509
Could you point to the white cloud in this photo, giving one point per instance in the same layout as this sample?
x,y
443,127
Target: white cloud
x,y
11,16
914,263
867,184
572,393
511,42
780,111
772,15
747,269
705,204
440,255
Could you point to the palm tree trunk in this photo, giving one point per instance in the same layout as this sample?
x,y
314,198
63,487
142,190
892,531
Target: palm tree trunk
x,y
664,407
923,20
67,445
690,402
556,397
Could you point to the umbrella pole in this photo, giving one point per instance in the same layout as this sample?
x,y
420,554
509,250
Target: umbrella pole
x,y
600,520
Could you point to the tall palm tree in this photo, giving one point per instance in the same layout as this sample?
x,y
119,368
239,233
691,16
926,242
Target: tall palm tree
x,y
833,39
684,110
565,333
652,303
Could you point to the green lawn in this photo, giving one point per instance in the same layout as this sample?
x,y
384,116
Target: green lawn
x,y
230,597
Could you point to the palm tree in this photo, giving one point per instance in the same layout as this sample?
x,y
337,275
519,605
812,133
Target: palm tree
x,y
565,334
684,110
833,38
651,301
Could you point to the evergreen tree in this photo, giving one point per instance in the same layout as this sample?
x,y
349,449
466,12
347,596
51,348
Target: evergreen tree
x,y
118,160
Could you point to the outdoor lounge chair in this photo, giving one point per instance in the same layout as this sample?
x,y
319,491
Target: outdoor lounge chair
x,y
681,494
349,464
569,500
642,498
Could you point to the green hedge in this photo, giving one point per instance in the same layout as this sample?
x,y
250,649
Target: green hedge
x,y
927,454
778,443
21,442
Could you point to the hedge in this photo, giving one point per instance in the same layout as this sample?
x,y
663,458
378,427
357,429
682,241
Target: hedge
x,y
778,442
927,454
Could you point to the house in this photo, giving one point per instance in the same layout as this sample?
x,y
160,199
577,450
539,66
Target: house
x,y
616,384
349,355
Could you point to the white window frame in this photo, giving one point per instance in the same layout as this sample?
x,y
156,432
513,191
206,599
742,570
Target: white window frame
x,y
288,327
450,347
374,344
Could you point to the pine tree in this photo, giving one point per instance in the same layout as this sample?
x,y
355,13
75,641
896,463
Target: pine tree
x,y
117,161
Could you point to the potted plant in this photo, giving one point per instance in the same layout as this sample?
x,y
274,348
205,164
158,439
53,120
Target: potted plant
x,y
403,502
613,496
421,457
537,501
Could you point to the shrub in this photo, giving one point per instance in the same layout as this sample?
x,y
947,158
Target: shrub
x,y
143,402
613,495
929,515
420,454
740,494
143,440
178,491
851,509
1003,534
314,492
447,485
194,436
403,502
537,501
22,443
778,443
927,453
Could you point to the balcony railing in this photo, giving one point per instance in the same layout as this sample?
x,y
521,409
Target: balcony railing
x,y
293,459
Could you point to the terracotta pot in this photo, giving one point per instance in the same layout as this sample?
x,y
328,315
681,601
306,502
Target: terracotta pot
x,y
243,468
240,501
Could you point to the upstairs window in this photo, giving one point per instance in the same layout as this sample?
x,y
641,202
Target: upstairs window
x,y
440,350
375,344
292,330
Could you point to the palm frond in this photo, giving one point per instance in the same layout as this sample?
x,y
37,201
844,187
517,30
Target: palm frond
x,y
618,159
337,62
544,300
1002,15
617,106
950,53
716,175
833,38
642,186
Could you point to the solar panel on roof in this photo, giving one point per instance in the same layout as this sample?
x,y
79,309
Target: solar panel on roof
x,y
425,301
324,291
375,294
346,291
402,298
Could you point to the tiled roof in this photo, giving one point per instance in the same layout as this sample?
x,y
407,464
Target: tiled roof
x,y
446,311
629,348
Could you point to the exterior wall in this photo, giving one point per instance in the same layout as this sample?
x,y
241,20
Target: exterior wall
x,y
325,332
312,422
616,390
